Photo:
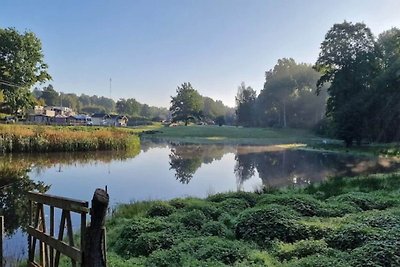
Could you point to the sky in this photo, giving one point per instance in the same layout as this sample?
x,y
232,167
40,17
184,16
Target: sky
x,y
149,47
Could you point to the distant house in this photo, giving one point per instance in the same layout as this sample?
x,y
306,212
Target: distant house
x,y
102,119
117,120
99,119
40,118
80,119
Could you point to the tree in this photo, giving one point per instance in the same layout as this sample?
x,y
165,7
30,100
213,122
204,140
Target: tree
x,y
245,103
21,66
50,96
347,63
187,104
288,97
128,106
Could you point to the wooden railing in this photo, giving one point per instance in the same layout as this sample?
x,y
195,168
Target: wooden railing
x,y
50,248
1,240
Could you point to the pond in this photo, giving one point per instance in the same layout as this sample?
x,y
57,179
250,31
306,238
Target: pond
x,y
164,171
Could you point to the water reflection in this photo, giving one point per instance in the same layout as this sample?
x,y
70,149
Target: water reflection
x,y
185,160
275,165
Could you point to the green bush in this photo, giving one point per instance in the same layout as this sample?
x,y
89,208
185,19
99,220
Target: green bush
x,y
215,229
300,249
317,260
209,209
251,198
306,205
204,251
263,224
193,219
350,236
125,244
365,201
149,242
233,206
377,253
160,209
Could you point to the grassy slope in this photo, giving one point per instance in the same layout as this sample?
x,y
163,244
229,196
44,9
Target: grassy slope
x,y
341,222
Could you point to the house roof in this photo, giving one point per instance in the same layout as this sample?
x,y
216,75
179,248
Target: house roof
x,y
100,115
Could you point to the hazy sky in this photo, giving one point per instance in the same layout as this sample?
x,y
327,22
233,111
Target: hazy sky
x,y
150,47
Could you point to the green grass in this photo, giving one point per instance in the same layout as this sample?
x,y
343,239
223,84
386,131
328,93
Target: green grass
x,y
233,135
340,222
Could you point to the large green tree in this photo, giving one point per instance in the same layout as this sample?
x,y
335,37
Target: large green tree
x,y
245,105
288,98
187,104
347,62
21,66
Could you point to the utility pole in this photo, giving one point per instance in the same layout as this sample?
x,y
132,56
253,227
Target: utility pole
x,y
110,87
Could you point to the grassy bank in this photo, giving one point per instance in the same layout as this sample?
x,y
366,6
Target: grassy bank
x,y
232,135
36,138
341,222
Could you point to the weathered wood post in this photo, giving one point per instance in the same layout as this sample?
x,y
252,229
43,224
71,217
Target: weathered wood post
x,y
1,240
94,252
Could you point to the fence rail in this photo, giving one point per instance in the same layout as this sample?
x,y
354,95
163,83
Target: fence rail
x,y
1,240
51,247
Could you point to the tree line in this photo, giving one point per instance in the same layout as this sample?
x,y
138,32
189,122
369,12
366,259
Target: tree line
x,y
352,92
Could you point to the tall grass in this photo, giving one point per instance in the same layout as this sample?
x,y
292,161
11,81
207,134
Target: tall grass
x,y
21,138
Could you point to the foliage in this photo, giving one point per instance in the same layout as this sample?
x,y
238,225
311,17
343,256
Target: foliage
x,y
187,104
245,105
340,222
160,209
22,65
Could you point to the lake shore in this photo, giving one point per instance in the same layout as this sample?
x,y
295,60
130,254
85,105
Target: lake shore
x,y
345,221
40,138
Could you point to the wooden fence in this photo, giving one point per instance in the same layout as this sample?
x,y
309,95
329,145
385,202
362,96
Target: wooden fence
x,y
1,240
90,251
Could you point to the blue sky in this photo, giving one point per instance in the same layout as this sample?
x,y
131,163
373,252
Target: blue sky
x,y
150,47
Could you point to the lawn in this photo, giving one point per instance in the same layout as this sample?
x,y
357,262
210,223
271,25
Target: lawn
x,y
232,135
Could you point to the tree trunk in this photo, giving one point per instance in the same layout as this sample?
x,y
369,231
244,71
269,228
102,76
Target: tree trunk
x,y
284,114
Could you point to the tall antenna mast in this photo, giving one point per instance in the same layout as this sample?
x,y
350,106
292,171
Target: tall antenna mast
x,y
110,87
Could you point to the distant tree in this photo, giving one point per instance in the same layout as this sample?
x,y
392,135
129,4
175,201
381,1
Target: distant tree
x,y
220,120
21,66
288,98
245,104
187,104
347,62
145,111
128,107
50,96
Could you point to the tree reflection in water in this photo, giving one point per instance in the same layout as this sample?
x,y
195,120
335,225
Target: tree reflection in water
x,y
14,206
275,166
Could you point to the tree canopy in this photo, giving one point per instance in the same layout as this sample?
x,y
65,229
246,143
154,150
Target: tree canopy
x,y
21,66
187,104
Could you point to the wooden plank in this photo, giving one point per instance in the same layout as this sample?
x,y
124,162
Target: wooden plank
x,y
60,202
60,237
33,264
52,235
70,234
60,246
1,239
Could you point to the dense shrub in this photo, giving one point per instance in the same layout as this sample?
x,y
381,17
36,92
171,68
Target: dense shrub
x,y
300,249
304,204
365,201
251,198
149,242
193,219
350,236
209,209
205,251
233,206
215,229
316,260
377,253
160,209
263,224
125,244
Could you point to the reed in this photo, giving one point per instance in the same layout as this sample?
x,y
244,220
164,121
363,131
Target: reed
x,y
31,139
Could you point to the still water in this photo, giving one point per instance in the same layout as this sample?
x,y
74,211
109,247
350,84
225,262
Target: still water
x,y
163,171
